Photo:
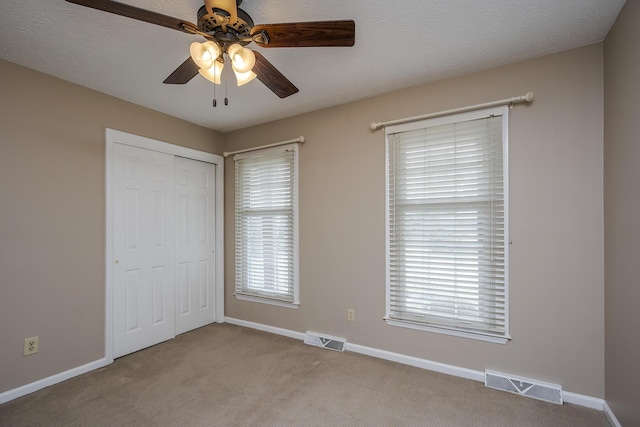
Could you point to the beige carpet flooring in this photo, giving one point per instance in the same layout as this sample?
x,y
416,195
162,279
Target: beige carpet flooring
x,y
226,375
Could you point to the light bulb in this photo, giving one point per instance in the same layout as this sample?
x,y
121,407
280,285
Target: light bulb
x,y
233,49
244,78
213,73
242,59
204,54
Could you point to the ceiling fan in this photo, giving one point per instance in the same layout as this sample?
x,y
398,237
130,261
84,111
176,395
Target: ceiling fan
x,y
227,30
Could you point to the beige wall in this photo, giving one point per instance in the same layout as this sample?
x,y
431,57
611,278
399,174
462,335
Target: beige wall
x,y
622,212
52,219
556,223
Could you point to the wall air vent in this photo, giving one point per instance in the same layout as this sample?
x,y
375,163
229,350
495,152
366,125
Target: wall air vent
x,y
325,341
524,386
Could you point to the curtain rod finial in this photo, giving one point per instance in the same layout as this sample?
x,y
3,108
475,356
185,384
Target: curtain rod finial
x,y
375,125
528,96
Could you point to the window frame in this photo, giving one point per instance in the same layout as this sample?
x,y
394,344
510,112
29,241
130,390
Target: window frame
x,y
429,123
262,296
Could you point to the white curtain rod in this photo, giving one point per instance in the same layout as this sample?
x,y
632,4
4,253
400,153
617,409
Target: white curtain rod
x,y
528,97
299,140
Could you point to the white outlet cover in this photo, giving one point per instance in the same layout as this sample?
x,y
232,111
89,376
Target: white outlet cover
x,y
30,346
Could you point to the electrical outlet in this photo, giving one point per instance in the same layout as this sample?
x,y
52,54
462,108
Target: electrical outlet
x,y
351,315
30,346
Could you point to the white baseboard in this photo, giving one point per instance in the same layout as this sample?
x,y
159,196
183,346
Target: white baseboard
x,y
266,328
457,371
54,379
610,416
582,400
442,368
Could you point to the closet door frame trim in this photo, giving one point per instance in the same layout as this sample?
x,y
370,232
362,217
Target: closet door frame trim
x,y
119,137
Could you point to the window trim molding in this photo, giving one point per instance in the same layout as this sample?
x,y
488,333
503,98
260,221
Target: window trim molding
x,y
267,299
448,331
431,122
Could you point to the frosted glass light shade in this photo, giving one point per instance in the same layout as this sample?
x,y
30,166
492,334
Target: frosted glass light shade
x,y
242,59
244,78
204,54
213,73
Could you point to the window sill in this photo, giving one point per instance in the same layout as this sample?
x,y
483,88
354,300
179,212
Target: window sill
x,y
266,300
445,331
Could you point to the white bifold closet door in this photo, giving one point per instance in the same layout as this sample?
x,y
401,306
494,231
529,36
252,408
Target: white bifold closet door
x,y
195,244
163,242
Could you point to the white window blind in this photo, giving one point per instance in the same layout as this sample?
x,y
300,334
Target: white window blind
x,y
266,225
446,224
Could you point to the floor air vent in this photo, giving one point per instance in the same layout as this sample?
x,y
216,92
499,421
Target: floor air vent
x,y
325,341
524,386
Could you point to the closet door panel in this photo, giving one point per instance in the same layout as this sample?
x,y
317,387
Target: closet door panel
x,y
195,243
144,249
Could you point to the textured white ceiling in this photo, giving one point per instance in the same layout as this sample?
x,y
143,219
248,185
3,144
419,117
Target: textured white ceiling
x,y
398,44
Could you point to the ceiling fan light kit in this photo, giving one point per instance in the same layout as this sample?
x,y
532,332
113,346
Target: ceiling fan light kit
x,y
227,30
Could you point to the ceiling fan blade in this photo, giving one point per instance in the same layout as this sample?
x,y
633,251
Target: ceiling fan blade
x,y
137,13
307,34
181,75
228,6
272,78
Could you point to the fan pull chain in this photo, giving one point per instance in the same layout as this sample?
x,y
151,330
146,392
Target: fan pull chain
x,y
215,101
226,89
